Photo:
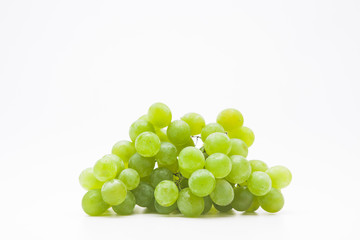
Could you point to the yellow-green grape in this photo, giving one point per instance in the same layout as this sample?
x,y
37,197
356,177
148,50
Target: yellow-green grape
x,y
159,175
243,133
166,193
113,192
88,181
105,169
218,164
174,168
240,171
243,199
209,129
162,134
120,165
159,115
189,143
138,127
189,204
223,208
191,159
202,182
178,132
185,173
123,149
230,119
223,193
130,178
258,165
280,176
165,210
259,183
217,143
127,206
207,204
143,165
238,147
195,121
147,144
273,201
167,154
254,205
144,195
93,204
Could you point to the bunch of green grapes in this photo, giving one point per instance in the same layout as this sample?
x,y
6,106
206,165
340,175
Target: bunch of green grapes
x,y
163,168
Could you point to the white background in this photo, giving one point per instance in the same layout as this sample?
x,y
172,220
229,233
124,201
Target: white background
x,y
75,74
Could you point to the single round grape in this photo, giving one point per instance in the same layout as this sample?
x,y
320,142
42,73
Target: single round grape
x,y
191,159
120,165
93,204
113,192
105,169
258,165
242,199
167,154
209,129
189,204
147,144
218,164
259,183
240,171
178,132
124,149
273,201
223,208
130,178
243,133
230,118
138,127
174,168
143,165
88,181
189,143
127,206
159,175
254,205
162,134
159,115
217,143
195,121
207,204
223,193
280,176
165,210
238,147
202,182
144,194
166,193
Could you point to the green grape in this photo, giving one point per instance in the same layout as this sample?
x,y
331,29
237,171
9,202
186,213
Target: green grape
x,y
280,176
230,118
189,143
207,204
218,164
120,165
238,147
189,204
159,175
147,144
222,208
138,127
144,194
243,133
113,192
185,173
254,205
162,134
124,149
88,181
259,183
240,171
217,143
166,193
127,206
178,132
258,165
130,178
223,193
159,114
167,154
209,129
145,179
190,160
93,204
195,121
143,165
165,210
201,182
105,169
273,201
184,183
174,168
242,199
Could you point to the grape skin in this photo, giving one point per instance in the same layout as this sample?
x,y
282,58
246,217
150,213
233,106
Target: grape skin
x,y
166,193
142,165
209,129
240,170
167,154
127,206
178,132
238,147
159,175
105,169
190,160
88,181
93,204
189,204
147,144
280,176
273,201
138,127
218,164
223,193
114,192
243,133
259,183
217,143
123,149
196,122
230,118
144,194
159,115
258,165
130,178
202,182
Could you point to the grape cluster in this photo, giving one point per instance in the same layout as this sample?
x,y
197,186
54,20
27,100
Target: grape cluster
x,y
161,168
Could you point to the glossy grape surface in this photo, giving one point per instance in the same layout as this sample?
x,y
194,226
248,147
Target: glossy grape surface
x,y
230,119
167,154
280,176
123,149
258,165
127,206
209,129
93,204
273,201
130,178
191,159
238,147
217,143
243,133
259,183
144,194
159,115
240,171
105,169
159,175
195,121
113,192
243,199
138,127
189,204
147,144
219,165
178,132
223,193
202,182
88,181
143,165
166,193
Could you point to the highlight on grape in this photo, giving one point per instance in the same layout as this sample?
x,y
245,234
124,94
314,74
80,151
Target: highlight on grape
x,y
161,168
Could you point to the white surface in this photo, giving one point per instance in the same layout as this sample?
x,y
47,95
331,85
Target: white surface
x,y
75,74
